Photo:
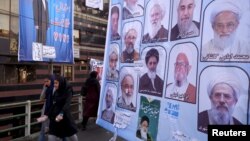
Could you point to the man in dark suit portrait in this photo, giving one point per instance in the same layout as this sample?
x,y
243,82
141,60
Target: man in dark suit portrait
x,y
186,26
41,19
150,82
157,32
181,89
114,23
223,91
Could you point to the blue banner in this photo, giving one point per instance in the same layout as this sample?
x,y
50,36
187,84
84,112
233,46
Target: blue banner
x,y
173,67
46,28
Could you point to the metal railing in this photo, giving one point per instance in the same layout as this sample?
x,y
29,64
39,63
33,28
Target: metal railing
x,y
33,110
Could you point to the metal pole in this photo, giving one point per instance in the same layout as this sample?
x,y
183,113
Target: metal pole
x,y
28,117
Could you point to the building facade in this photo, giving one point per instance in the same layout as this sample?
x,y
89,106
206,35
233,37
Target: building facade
x,y
21,81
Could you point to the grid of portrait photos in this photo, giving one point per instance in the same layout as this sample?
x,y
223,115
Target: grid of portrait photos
x,y
171,68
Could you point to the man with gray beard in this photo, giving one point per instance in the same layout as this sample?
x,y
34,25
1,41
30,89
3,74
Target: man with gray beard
x,y
225,46
112,72
186,26
223,91
129,55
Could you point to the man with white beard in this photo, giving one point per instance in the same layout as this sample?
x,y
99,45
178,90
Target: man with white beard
x,y
223,91
225,46
108,114
157,32
129,55
113,73
186,26
127,89
181,89
150,82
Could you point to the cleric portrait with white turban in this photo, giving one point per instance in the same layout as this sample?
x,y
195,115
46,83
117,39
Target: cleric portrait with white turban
x,y
113,73
127,82
225,20
223,89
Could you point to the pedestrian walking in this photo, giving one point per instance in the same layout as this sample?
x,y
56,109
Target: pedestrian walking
x,y
92,89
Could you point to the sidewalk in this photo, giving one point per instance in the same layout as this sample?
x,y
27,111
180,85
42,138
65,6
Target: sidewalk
x,y
95,133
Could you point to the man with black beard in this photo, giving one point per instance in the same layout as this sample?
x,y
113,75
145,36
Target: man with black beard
x,y
225,46
223,91
150,82
129,55
186,26
127,89
113,73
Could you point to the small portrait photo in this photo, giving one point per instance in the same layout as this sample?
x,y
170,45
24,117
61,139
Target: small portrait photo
x,y
131,42
223,97
152,76
115,22
186,19
148,119
127,89
156,21
113,62
181,81
142,132
226,36
108,111
132,9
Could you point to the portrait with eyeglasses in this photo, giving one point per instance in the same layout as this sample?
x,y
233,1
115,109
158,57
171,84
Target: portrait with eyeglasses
x,y
181,83
128,85
224,20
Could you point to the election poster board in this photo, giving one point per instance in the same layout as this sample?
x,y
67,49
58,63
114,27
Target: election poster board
x,y
171,68
46,28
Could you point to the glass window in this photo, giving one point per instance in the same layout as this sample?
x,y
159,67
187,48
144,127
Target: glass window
x,y
17,74
68,72
26,73
5,6
4,25
76,36
15,6
57,70
14,25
